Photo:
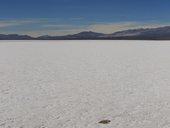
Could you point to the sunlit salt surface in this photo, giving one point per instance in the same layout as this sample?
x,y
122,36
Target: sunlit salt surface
x,y
77,84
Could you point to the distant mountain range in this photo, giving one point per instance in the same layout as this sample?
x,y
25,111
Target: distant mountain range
x,y
161,33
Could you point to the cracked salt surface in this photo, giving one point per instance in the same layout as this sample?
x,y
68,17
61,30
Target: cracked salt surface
x,y
77,84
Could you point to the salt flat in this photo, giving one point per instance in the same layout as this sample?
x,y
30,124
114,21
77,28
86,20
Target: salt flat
x,y
76,84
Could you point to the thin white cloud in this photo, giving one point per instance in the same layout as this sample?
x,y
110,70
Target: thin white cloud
x,y
9,23
114,27
58,26
102,28
2,25
111,27
16,22
46,27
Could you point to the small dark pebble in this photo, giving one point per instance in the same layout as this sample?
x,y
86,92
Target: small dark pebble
x,y
104,121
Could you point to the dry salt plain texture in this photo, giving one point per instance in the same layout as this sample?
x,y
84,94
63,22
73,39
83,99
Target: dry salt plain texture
x,y
76,84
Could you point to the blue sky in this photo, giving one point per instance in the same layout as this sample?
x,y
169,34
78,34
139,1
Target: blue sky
x,y
60,17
